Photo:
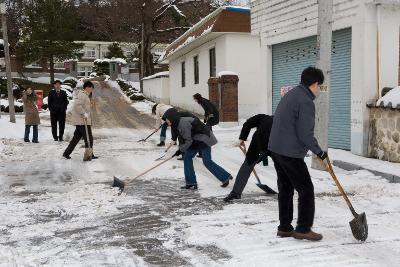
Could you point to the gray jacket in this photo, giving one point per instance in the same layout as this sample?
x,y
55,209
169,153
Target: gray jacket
x,y
292,132
192,131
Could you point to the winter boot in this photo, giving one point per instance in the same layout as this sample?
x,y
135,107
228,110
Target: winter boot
x,y
162,143
189,186
227,182
312,236
66,156
27,140
94,157
232,195
284,233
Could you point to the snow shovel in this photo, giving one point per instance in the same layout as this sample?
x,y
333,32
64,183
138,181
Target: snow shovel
x,y
121,184
145,139
87,156
166,150
358,225
263,187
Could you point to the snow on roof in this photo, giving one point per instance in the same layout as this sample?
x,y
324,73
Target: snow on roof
x,y
157,75
391,99
226,72
219,21
118,60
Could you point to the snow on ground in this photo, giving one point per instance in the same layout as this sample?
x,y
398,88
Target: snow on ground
x,y
143,106
64,213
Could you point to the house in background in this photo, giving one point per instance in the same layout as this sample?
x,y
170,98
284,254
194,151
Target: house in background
x,y
220,42
365,57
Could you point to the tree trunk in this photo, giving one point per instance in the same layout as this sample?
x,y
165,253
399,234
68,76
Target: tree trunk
x,y
51,69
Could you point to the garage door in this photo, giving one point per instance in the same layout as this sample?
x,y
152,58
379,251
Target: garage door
x,y
290,58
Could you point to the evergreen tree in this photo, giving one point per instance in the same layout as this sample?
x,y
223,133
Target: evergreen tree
x,y
49,30
115,50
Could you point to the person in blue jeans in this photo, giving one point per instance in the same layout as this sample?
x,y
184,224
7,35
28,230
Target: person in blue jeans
x,y
194,137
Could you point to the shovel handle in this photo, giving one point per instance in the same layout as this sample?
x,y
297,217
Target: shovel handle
x,y
147,171
244,150
329,168
144,140
86,130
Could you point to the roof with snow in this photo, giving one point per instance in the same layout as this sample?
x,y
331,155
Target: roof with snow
x,y
228,19
157,75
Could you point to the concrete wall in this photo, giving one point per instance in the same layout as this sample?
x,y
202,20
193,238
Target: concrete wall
x,y
157,90
280,21
234,52
384,140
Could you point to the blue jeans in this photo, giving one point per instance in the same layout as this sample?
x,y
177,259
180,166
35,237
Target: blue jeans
x,y
28,130
215,169
163,134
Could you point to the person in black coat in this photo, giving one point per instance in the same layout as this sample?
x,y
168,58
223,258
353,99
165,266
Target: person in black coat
x,y
58,103
257,152
211,113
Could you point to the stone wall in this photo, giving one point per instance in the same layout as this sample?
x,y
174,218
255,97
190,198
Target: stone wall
x,y
384,134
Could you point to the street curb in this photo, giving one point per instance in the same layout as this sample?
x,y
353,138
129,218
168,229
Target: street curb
x,y
353,167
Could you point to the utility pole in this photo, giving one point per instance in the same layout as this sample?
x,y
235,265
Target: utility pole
x,y
142,67
8,63
324,50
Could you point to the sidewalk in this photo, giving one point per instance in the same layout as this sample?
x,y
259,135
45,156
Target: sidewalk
x,y
350,162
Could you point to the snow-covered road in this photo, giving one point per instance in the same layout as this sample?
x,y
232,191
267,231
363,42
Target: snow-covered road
x,y
55,212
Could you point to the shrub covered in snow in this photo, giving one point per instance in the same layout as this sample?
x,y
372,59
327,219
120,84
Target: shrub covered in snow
x,y
130,91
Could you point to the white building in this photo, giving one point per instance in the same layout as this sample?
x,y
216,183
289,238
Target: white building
x,y
365,57
220,42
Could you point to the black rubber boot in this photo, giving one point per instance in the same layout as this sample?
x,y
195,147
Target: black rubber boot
x,y
232,196
189,186
162,143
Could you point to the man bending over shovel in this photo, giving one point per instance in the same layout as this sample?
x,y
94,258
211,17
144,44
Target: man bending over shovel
x,y
258,151
194,136
292,135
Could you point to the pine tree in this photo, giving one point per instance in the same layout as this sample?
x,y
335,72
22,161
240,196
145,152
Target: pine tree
x,y
49,30
115,50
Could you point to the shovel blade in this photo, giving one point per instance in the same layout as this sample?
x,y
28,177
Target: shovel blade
x,y
266,189
118,183
87,156
359,227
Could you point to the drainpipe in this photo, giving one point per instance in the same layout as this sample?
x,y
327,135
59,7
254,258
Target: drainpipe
x,y
378,26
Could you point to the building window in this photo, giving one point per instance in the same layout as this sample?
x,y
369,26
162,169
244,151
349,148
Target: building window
x,y
213,68
196,69
183,74
90,52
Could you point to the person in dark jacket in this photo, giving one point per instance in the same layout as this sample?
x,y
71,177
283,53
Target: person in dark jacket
x,y
292,135
257,152
58,103
211,113
194,136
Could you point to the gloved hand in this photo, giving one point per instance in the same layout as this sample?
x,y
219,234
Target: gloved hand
x,y
263,156
177,153
323,155
85,115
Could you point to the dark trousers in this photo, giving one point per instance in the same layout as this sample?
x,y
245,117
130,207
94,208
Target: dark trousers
x,y
78,134
212,122
57,117
28,130
242,177
293,174
163,132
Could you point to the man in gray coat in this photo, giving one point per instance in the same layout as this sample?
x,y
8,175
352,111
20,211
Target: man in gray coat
x,y
194,137
292,135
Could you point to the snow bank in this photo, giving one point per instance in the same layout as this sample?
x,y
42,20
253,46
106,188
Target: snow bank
x,y
143,106
157,75
391,99
12,130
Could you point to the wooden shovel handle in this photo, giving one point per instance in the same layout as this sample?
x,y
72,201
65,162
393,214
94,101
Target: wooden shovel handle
x,y
147,171
329,168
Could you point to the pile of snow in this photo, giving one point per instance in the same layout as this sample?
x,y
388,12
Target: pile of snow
x,y
391,99
144,106
157,75
108,60
226,72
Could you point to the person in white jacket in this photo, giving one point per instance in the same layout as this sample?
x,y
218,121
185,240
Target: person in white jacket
x,y
159,110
